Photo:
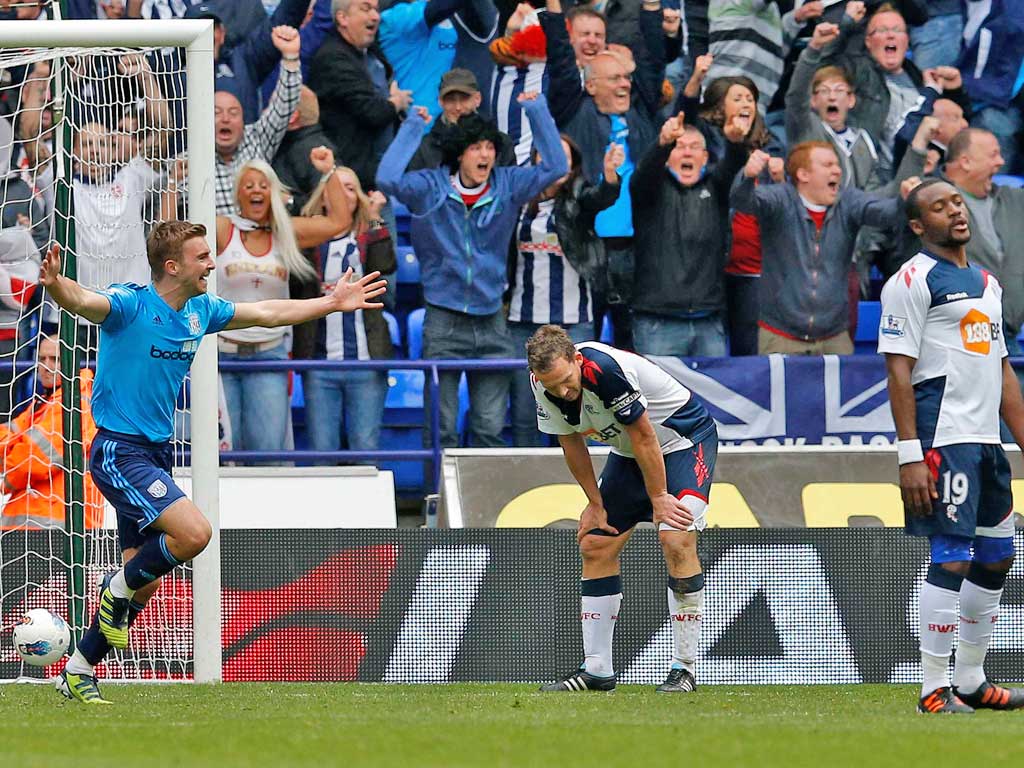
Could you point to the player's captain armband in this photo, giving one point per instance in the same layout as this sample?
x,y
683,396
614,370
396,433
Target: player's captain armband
x,y
909,451
622,403
893,326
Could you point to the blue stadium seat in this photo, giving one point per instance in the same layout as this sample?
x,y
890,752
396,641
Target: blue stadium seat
x,y
393,330
405,390
1006,180
607,333
414,333
869,315
402,427
408,265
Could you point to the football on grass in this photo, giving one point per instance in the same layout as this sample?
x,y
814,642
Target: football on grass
x,y
41,637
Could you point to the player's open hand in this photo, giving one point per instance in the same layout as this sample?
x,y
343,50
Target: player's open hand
x,y
51,267
350,295
917,487
594,516
671,511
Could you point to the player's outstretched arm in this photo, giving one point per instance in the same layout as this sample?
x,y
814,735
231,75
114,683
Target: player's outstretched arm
x,y
348,296
1011,406
80,301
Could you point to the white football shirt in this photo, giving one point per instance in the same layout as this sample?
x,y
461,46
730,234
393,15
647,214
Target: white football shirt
x,y
950,320
618,388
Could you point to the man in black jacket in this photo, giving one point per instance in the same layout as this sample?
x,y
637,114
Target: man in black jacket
x,y
360,103
292,159
681,217
459,96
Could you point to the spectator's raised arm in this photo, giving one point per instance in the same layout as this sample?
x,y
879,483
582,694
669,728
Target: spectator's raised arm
x,y
564,85
530,181
800,116
411,189
311,231
650,57
269,130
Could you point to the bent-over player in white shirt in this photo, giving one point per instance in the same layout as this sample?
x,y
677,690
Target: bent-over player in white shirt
x,y
664,444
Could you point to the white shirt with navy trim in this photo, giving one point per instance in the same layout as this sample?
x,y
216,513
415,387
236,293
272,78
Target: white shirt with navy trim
x,y
618,388
950,320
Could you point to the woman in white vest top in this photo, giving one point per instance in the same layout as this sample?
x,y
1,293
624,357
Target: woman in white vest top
x,y
350,402
256,253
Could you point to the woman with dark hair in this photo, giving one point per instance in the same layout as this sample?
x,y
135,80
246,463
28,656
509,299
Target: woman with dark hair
x,y
556,256
725,99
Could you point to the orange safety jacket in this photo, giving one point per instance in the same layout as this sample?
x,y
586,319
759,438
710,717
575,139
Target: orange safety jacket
x,y
33,464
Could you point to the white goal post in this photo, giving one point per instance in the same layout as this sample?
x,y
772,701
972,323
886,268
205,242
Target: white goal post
x,y
195,37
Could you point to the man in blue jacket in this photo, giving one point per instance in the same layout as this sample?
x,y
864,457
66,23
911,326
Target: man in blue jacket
x,y
464,216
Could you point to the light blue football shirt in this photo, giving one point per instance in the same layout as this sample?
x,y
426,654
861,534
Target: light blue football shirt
x,y
146,349
419,54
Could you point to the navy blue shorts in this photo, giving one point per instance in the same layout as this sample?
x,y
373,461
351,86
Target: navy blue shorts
x,y
688,472
134,475
973,483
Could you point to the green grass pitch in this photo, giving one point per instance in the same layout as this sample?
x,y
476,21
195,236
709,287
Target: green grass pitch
x,y
349,725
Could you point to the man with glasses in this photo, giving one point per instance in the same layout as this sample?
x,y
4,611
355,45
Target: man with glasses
x,y
599,112
888,85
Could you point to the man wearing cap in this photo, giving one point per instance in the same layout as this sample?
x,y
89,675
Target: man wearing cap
x,y
459,96
241,68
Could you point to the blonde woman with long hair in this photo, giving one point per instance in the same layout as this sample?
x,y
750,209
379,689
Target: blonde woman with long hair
x,y
350,402
257,252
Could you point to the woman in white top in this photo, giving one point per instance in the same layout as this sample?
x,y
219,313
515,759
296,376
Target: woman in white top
x,y
256,253
350,402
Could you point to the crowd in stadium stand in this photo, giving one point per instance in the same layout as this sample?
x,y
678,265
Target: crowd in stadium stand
x,y
697,178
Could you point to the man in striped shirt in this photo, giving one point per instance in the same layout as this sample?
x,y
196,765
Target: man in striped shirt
x,y
238,143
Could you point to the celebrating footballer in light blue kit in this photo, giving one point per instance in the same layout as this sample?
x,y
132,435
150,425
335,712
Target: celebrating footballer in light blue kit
x,y
146,349
949,383
149,337
663,449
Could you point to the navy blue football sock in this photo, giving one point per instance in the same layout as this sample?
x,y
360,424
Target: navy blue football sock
x,y
152,561
93,645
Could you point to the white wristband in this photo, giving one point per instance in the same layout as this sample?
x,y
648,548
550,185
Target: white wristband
x,y
909,451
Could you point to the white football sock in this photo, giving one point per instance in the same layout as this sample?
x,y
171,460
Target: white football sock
x,y
77,665
938,625
597,617
119,587
979,609
687,612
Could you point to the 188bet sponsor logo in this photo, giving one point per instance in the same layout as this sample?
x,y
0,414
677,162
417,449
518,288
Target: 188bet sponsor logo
x,y
978,332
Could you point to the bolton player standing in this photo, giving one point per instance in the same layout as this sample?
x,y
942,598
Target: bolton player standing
x,y
148,339
949,382
664,444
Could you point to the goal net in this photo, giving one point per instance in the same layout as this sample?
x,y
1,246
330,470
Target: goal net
x,y
94,151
